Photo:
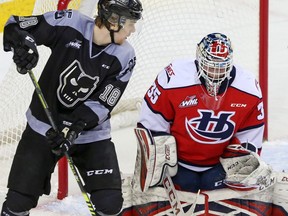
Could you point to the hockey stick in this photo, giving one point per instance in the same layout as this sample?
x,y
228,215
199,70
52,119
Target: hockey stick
x,y
172,195
69,159
173,198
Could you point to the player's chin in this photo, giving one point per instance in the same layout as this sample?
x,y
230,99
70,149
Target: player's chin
x,y
120,41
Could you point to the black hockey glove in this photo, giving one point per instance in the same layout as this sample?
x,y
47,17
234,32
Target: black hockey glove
x,y
23,46
61,143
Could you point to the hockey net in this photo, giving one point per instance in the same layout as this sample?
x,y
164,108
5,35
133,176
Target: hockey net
x,y
171,30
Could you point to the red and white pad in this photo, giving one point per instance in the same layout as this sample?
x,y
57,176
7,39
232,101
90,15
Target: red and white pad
x,y
155,156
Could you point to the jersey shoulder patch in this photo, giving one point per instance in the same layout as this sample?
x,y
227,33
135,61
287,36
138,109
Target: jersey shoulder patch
x,y
179,73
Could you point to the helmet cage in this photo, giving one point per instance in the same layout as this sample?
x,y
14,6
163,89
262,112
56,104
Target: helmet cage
x,y
215,60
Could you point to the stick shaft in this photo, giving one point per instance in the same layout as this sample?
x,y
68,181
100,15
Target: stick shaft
x,y
42,100
69,159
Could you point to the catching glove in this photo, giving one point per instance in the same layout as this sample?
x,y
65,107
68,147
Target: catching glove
x,y
23,46
244,169
61,141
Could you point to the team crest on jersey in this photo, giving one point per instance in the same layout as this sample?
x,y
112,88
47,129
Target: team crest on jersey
x,y
75,85
189,101
209,128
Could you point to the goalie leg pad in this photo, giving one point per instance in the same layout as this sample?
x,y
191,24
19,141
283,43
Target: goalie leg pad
x,y
280,193
155,156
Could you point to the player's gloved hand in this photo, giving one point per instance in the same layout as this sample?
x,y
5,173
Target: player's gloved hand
x,y
23,46
25,53
61,142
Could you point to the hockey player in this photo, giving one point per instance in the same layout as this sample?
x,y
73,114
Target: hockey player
x,y
195,117
86,74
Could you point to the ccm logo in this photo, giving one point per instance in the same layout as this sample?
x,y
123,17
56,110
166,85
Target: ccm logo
x,y
171,195
99,172
238,105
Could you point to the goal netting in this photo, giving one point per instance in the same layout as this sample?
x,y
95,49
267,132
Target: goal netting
x,y
171,29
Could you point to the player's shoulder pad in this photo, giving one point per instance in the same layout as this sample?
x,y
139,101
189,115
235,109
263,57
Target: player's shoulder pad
x,y
246,81
179,73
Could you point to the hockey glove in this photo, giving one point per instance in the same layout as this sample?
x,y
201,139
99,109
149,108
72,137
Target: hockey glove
x,y
244,169
23,46
59,144
62,141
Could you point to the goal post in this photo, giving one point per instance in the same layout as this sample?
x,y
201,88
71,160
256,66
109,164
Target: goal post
x,y
171,29
263,56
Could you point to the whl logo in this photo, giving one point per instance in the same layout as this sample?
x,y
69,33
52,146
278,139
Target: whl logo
x,y
189,101
74,44
209,128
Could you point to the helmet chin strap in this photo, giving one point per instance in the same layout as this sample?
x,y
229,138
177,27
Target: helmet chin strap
x,y
112,36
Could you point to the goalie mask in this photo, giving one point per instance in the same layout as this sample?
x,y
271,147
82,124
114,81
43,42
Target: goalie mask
x,y
117,12
214,55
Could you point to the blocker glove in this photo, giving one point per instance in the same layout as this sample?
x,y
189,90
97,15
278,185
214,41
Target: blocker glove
x,y
23,46
61,142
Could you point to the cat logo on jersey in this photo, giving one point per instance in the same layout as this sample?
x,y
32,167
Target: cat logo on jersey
x,y
209,128
75,85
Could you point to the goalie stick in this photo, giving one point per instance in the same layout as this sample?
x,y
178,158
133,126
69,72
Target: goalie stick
x,y
69,159
174,200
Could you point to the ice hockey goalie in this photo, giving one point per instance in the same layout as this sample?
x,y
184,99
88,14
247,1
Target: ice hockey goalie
x,y
262,192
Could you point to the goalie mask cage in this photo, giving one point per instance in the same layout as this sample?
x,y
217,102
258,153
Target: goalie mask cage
x,y
171,29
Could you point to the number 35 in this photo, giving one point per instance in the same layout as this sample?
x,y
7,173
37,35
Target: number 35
x,y
153,93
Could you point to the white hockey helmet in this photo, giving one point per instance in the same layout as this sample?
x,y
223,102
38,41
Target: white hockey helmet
x,y
215,60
